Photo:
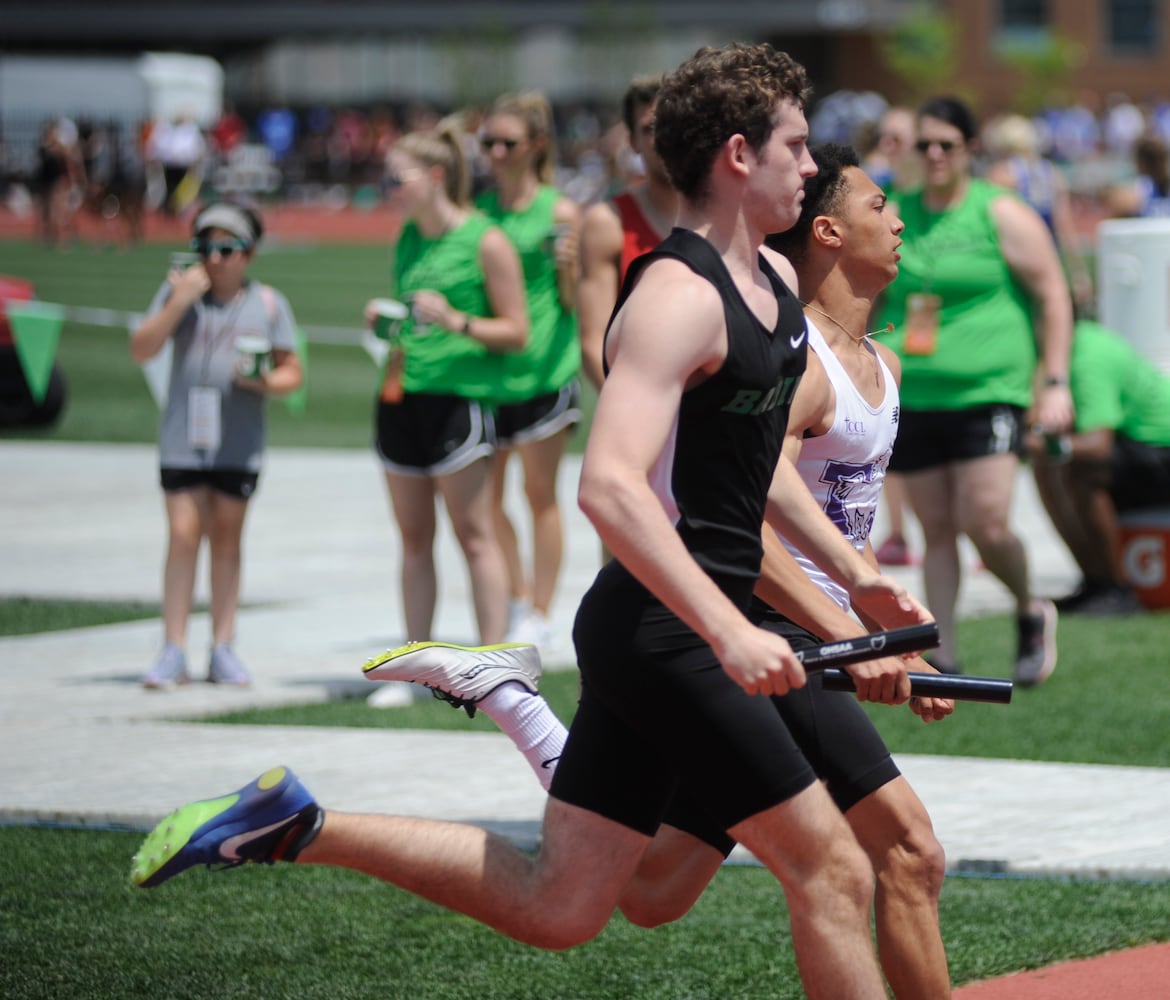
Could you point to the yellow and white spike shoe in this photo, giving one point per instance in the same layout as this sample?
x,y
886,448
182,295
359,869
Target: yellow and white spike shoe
x,y
461,675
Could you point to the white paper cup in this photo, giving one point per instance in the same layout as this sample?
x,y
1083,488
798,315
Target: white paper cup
x,y
253,355
388,313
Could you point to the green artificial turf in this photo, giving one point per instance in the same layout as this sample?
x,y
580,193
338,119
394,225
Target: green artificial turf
x,y
72,926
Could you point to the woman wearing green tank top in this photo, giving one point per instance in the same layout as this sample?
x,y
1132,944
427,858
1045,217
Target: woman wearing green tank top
x,y
538,397
982,321
434,428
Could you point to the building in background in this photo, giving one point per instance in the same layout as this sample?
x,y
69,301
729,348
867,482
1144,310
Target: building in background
x,y
366,51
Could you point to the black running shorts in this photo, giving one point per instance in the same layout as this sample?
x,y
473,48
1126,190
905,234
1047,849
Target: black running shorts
x,y
832,730
238,483
1139,474
538,418
928,439
659,713
430,435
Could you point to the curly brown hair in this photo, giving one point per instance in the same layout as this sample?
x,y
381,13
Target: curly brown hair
x,y
718,93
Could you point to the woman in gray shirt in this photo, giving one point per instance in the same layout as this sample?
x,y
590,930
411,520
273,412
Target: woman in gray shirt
x,y
234,345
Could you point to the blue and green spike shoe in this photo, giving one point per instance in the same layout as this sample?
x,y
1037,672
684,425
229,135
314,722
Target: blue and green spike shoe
x,y
270,819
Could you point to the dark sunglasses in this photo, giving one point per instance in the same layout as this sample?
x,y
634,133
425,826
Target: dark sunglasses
x,y
225,248
946,145
490,142
392,179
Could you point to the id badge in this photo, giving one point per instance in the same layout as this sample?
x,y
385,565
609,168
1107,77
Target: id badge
x,y
922,311
203,417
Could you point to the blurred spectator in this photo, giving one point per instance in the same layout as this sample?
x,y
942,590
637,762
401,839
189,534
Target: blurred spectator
x,y
978,268
1148,194
841,114
1072,131
277,128
892,162
538,401
616,231
1013,150
1122,125
228,132
896,167
1117,459
177,148
433,427
234,345
59,182
115,182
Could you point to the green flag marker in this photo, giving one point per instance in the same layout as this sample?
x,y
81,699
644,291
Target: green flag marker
x,y
36,328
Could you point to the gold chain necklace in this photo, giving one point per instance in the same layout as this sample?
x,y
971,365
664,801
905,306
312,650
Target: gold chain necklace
x,y
888,328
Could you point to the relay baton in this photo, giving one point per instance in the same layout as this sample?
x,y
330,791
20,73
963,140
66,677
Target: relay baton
x,y
830,656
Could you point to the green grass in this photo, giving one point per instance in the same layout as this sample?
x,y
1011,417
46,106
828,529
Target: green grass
x,y
1087,713
73,927
108,397
28,616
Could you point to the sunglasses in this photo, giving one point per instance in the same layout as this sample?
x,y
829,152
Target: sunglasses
x,y
225,248
945,145
396,178
490,142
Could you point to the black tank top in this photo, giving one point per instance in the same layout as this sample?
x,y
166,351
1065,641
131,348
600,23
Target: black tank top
x,y
731,426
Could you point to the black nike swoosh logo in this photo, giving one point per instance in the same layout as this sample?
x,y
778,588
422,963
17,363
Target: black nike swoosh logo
x,y
546,764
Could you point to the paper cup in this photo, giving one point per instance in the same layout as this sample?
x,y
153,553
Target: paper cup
x,y
388,313
253,355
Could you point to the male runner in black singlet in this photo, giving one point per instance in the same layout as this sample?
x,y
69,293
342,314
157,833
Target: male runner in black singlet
x,y
704,356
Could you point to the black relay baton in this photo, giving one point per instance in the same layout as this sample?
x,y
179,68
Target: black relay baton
x,y
832,655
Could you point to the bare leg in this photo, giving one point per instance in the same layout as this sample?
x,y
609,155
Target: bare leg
x,y
542,460
895,493
827,879
931,494
982,496
518,588
225,534
186,511
674,871
561,897
1054,489
896,833
413,500
468,497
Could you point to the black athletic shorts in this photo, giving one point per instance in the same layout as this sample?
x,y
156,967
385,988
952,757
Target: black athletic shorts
x,y
658,714
238,483
832,730
538,418
1139,474
928,439
430,435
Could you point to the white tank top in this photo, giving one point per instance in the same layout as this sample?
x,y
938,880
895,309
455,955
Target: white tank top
x,y
845,467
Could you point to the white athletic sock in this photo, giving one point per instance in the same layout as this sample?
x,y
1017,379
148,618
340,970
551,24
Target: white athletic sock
x,y
527,721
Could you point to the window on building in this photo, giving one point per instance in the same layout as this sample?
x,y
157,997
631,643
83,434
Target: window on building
x,y
1023,23
1132,26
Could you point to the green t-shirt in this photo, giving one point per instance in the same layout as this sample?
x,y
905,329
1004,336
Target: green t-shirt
x,y
1116,388
552,356
986,348
438,360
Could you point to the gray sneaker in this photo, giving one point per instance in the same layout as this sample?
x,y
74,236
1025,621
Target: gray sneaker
x,y
226,668
169,670
1036,657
